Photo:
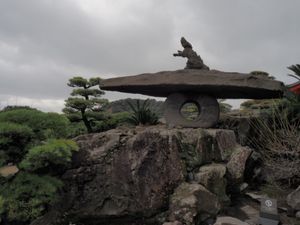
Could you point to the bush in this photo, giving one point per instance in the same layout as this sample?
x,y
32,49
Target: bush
x,y
75,129
27,136
52,157
278,140
27,196
14,139
44,125
141,114
112,121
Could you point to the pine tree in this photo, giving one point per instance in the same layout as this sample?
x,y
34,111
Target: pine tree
x,y
86,105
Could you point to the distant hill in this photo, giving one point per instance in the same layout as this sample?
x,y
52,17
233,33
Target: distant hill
x,y
122,105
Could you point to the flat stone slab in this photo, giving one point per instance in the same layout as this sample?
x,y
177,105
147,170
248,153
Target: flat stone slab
x,y
210,82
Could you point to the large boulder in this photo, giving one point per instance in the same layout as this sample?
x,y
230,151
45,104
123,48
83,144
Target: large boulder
x,y
121,174
293,199
193,203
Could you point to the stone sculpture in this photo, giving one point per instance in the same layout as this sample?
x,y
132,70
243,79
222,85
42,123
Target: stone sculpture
x,y
194,60
196,85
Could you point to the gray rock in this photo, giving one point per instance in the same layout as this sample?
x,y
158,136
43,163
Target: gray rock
x,y
255,196
225,142
7,171
119,173
209,82
293,199
237,163
212,177
192,203
298,214
199,146
172,223
227,220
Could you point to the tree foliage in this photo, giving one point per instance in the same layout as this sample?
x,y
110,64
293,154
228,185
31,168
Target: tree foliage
x,y
30,136
14,139
52,157
44,125
27,196
296,69
86,105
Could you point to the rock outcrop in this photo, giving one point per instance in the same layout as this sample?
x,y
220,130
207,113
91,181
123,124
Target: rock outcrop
x,y
148,175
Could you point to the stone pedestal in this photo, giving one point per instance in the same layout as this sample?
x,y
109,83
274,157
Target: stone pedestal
x,y
208,110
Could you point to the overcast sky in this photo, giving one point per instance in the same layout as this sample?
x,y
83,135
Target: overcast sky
x,y
43,43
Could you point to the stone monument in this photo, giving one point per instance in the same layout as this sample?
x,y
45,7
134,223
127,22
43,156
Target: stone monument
x,y
196,85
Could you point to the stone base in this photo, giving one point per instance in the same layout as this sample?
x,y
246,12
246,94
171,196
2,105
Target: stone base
x,y
208,108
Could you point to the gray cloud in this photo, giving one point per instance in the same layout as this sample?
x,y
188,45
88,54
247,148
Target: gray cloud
x,y
44,43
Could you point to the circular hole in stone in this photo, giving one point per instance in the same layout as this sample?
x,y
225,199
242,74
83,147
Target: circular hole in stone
x,y
190,111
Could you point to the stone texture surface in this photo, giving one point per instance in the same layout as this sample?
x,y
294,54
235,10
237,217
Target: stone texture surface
x,y
212,177
210,82
293,199
193,203
225,142
118,174
237,163
172,223
7,171
227,220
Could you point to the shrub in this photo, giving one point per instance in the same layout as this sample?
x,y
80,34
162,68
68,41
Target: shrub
x,y
27,196
112,121
141,114
52,157
278,140
14,139
75,129
44,125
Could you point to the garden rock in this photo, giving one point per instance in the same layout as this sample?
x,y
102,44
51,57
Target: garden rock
x,y
173,223
225,142
212,177
129,174
293,199
192,203
237,163
122,174
227,220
